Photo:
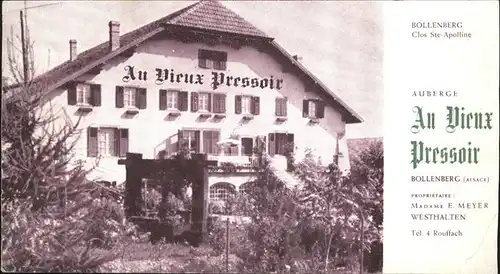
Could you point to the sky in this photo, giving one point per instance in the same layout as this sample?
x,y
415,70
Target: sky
x,y
341,42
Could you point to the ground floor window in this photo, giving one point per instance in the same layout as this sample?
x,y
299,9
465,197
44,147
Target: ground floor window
x,y
221,192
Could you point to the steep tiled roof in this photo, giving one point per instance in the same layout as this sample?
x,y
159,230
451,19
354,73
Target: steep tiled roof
x,y
212,15
206,15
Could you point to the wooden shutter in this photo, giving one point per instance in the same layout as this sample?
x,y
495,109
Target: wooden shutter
x,y
92,142
141,99
237,104
246,146
163,99
179,140
284,103
209,107
207,142
305,108
72,94
290,141
123,140
272,144
119,97
255,106
95,95
202,63
183,100
320,109
197,139
194,101
277,105
215,140
222,103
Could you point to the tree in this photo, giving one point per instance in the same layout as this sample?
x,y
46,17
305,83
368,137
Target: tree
x,y
52,216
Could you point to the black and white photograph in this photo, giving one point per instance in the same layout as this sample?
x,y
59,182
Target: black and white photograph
x,y
192,136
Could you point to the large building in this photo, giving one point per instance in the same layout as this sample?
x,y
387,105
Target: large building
x,y
199,78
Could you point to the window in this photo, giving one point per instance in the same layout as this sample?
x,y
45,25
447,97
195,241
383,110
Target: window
x,y
211,59
106,141
246,188
204,102
208,102
84,94
172,99
281,107
247,105
221,191
280,143
313,108
129,97
199,141
246,146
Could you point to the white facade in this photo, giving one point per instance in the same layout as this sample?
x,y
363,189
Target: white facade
x,y
152,129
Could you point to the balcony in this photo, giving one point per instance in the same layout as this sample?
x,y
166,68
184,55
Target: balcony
x,y
235,163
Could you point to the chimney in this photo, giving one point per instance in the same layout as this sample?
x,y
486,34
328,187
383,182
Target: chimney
x,y
114,35
72,50
297,58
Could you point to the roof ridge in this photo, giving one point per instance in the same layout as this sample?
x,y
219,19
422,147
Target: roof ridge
x,y
191,9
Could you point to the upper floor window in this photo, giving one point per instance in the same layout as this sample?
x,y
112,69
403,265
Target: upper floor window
x,y
247,105
211,59
130,97
313,108
280,143
107,141
280,109
208,102
84,94
173,100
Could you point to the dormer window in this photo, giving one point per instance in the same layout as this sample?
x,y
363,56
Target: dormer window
x,y
211,59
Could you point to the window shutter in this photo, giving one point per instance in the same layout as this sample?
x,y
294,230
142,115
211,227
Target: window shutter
x,y
284,103
215,139
209,102
207,142
237,104
183,100
272,144
290,140
255,106
320,109
92,142
219,103
197,140
202,63
179,140
95,91
277,105
141,98
72,94
163,99
119,97
123,148
194,101
305,108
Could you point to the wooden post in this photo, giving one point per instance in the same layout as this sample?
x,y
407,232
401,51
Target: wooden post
x,y
199,214
133,184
